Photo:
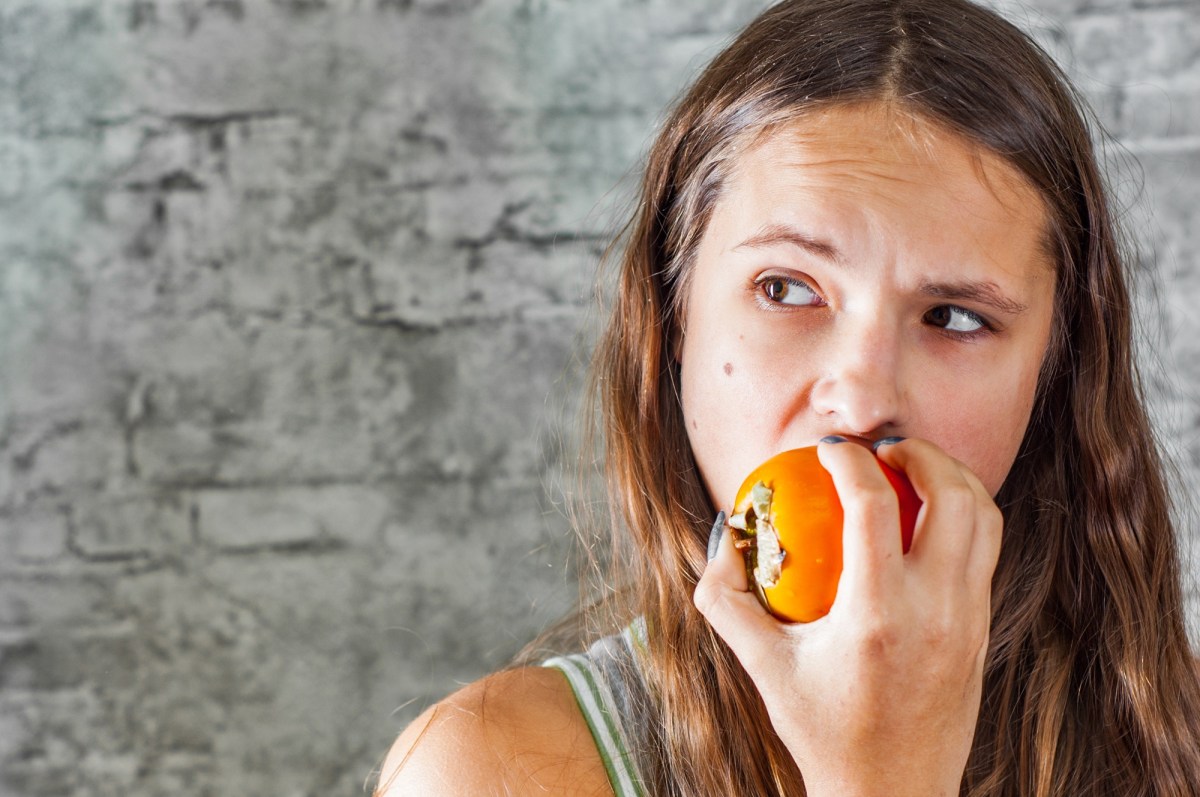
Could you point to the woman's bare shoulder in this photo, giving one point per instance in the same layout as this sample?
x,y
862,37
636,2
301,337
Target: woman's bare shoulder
x,y
514,732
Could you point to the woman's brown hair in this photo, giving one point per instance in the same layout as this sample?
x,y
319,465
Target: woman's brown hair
x,y
1089,686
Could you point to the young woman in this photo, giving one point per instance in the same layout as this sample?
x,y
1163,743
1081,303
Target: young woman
x,y
876,227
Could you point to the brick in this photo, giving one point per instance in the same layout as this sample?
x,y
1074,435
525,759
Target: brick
x,y
36,535
140,266
386,407
1156,112
273,403
141,151
415,288
1171,194
238,519
470,211
1137,46
53,90
268,59
556,206
184,453
17,164
282,280
271,152
1063,7
192,631
519,275
56,601
51,729
202,370
492,533
381,218
497,280
12,733
493,425
582,60
65,661
131,527
410,150
595,147
48,361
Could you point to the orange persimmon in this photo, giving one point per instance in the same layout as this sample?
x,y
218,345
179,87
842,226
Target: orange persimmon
x,y
789,520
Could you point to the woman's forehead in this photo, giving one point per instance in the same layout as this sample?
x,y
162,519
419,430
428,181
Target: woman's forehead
x,y
878,139
863,162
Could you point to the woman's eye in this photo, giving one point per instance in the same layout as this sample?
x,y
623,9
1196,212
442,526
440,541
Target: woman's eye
x,y
788,290
955,319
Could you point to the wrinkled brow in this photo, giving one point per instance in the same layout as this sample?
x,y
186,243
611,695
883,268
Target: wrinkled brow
x,y
980,291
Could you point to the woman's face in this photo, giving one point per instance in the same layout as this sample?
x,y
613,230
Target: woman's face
x,y
865,274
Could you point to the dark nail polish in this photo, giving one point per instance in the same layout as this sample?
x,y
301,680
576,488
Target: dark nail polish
x,y
714,536
833,438
886,441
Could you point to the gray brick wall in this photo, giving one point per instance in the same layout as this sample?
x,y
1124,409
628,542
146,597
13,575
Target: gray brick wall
x,y
293,304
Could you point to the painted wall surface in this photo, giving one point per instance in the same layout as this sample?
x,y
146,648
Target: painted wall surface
x,y
294,303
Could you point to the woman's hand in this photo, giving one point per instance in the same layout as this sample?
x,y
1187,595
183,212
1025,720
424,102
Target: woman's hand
x,y
880,696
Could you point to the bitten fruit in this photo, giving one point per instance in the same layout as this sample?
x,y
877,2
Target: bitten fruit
x,y
788,522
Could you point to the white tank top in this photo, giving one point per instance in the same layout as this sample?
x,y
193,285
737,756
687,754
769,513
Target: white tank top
x,y
609,701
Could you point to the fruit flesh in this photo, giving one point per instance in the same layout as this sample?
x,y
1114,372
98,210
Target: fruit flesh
x,y
804,511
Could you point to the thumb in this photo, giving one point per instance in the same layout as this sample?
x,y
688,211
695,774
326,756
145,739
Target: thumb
x,y
723,596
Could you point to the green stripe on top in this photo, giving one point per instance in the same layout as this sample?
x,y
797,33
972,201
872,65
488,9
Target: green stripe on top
x,y
596,703
637,636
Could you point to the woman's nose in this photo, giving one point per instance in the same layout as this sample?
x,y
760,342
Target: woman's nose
x,y
861,391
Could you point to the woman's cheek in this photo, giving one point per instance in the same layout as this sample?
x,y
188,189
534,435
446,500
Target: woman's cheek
x,y
721,426
984,433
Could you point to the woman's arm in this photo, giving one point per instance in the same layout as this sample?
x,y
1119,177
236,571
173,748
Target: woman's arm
x,y
517,732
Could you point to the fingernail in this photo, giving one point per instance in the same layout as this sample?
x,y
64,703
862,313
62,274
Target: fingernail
x,y
833,438
714,537
886,441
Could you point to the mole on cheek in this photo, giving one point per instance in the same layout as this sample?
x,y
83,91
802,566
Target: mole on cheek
x,y
728,369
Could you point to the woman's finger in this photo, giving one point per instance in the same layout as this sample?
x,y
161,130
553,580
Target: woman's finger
x,y
947,522
985,549
723,596
872,552
959,528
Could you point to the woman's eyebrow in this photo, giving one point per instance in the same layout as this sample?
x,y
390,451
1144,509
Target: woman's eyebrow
x,y
775,234
982,292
